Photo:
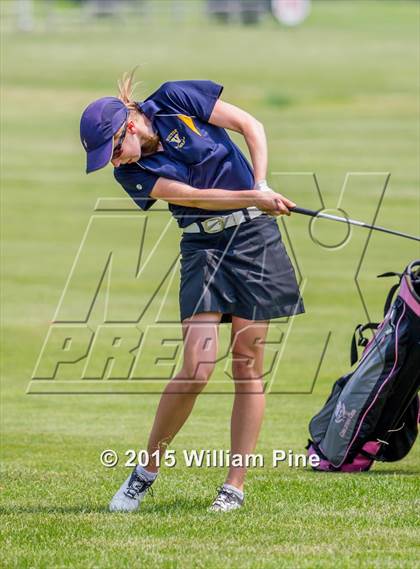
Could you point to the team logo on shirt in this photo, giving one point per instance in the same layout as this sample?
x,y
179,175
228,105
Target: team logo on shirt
x,y
175,138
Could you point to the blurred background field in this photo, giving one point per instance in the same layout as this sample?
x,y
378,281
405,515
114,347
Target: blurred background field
x,y
338,96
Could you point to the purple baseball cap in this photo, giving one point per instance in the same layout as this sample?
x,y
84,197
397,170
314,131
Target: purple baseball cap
x,y
100,121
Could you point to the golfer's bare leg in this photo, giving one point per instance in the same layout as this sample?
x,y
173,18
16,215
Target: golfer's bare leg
x,y
249,403
200,335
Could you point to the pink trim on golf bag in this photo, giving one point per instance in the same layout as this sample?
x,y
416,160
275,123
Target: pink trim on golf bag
x,y
407,296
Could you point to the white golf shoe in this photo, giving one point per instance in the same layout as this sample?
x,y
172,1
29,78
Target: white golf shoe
x,y
131,493
226,501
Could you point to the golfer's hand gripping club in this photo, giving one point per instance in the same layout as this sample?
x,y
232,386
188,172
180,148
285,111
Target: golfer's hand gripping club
x,y
271,202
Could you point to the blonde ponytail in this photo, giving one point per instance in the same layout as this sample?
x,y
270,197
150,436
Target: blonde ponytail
x,y
126,89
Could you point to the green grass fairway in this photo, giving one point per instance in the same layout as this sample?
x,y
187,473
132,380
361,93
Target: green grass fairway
x,y
339,98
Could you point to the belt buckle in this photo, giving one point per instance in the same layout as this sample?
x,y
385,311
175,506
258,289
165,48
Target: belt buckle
x,y
214,224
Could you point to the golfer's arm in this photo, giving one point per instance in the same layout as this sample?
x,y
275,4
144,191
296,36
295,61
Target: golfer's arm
x,y
233,118
213,199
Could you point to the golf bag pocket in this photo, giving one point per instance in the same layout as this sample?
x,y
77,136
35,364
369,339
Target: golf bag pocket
x,y
372,412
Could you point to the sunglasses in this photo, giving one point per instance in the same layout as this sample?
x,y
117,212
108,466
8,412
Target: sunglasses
x,y
118,147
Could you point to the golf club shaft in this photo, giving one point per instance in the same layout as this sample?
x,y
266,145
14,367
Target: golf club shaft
x,y
313,213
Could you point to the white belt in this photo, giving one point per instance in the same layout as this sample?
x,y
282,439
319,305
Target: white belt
x,y
221,222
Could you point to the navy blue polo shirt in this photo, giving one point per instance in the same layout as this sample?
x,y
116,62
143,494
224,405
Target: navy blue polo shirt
x,y
195,152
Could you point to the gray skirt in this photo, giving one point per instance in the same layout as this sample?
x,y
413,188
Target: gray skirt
x,y
242,271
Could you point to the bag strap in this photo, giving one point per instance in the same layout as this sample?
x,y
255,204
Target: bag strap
x,y
390,297
361,340
389,274
360,328
392,290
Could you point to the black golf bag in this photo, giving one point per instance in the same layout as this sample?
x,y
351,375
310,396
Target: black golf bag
x,y
373,412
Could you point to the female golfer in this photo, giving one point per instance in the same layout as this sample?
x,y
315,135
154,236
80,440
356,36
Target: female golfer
x,y
234,268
